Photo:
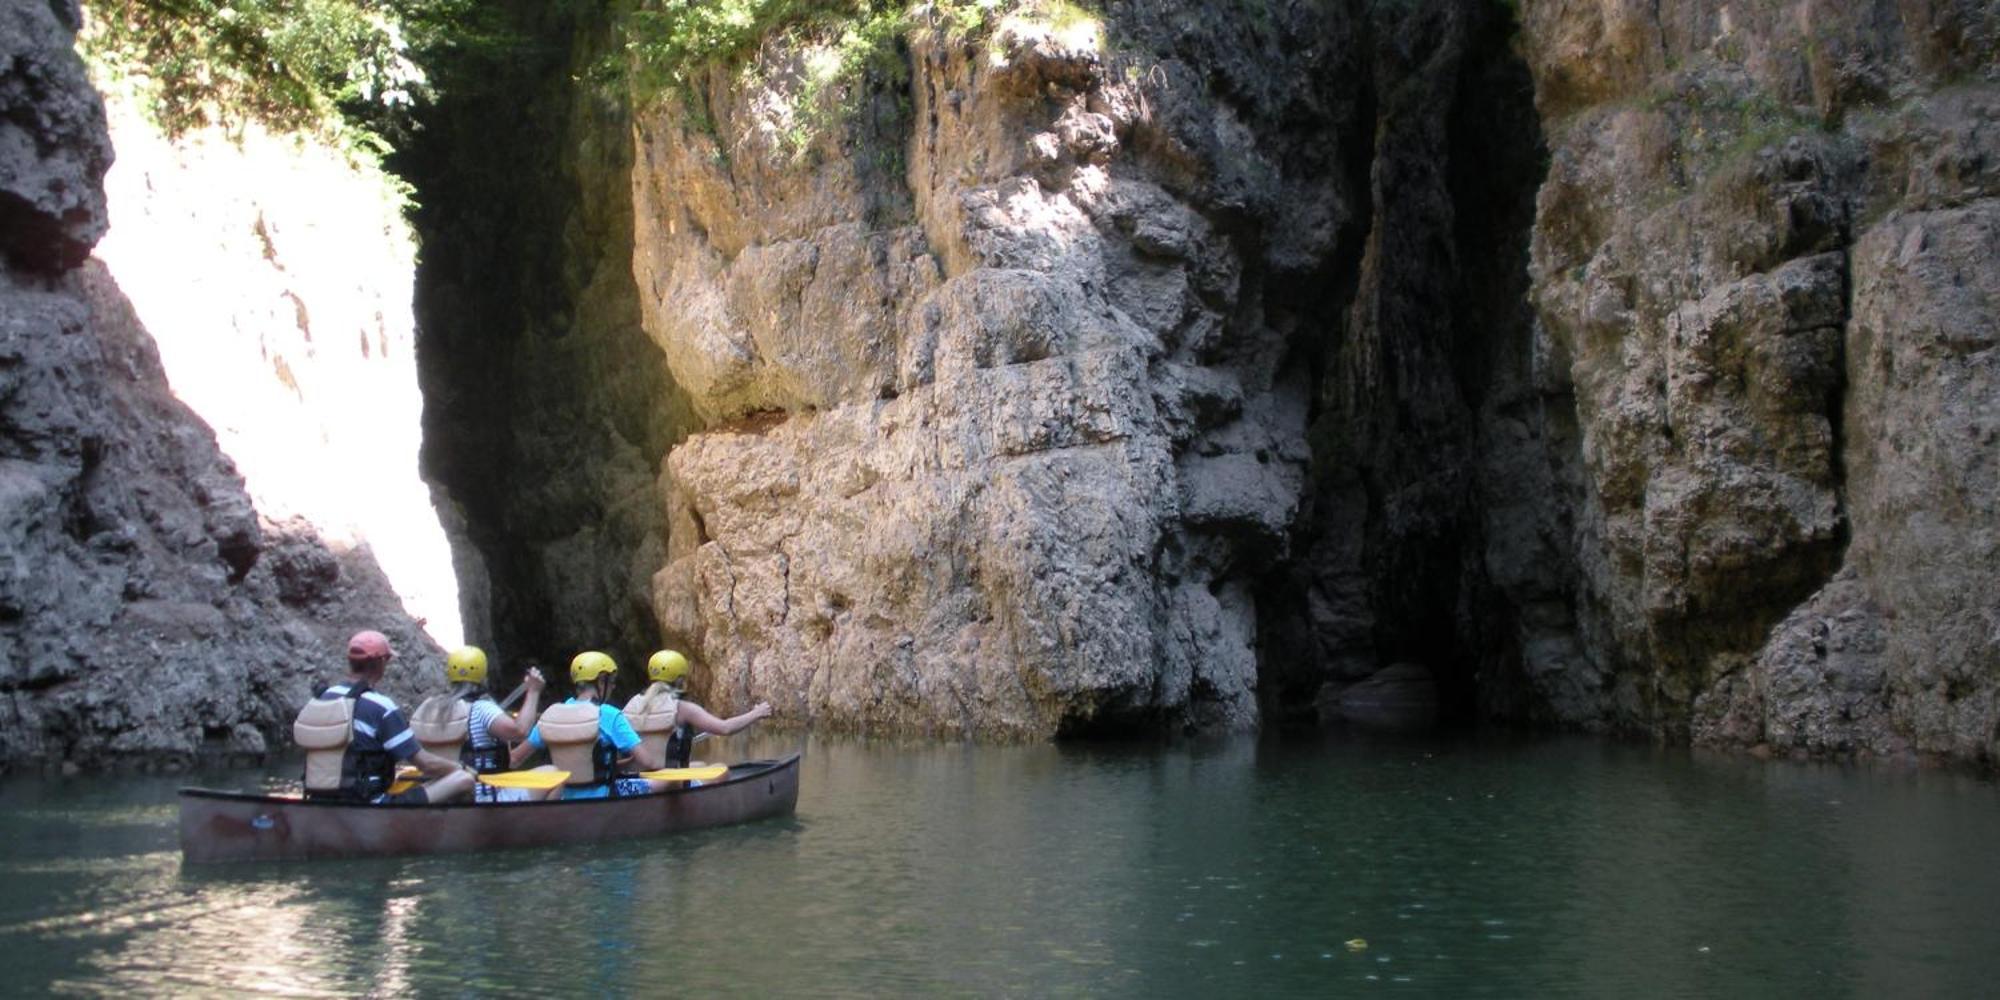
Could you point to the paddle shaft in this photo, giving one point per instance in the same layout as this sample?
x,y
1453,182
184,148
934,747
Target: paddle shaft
x,y
519,690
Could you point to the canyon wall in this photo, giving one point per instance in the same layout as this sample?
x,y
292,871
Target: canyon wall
x,y
1175,367
1763,261
1154,367
1109,374
148,612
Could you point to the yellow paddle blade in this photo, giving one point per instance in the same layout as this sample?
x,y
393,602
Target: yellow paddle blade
x,y
401,786
709,773
525,779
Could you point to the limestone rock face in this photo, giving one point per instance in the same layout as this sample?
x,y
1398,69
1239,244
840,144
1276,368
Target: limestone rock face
x,y
1766,270
147,611
1619,366
1005,461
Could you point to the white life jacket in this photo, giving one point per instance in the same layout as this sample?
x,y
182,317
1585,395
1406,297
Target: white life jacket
x,y
653,715
442,724
570,732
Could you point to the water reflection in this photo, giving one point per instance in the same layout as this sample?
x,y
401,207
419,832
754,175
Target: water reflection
x,y
1468,868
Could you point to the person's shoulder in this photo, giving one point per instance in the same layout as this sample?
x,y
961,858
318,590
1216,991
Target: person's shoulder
x,y
379,700
485,708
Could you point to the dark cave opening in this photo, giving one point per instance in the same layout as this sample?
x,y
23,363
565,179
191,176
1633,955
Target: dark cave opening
x,y
533,432
1434,338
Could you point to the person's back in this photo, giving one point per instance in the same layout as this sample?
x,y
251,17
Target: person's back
x,y
655,716
372,740
661,714
467,725
341,732
585,736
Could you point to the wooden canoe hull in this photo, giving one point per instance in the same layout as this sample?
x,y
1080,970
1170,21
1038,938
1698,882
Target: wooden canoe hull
x,y
221,826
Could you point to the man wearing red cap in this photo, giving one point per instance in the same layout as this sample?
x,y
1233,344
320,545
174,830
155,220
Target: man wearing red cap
x,y
381,737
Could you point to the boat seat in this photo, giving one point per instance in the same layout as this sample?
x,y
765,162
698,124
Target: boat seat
x,y
323,730
654,714
441,724
569,730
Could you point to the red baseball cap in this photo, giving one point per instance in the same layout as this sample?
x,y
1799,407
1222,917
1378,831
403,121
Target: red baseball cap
x,y
367,646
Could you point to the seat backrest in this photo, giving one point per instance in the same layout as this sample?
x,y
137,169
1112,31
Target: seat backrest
x,y
323,730
653,715
441,724
569,730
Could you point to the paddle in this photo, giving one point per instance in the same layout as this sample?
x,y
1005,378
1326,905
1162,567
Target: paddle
x,y
708,773
539,780
519,690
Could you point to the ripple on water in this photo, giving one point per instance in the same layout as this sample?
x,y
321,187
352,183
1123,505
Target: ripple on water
x,y
1518,869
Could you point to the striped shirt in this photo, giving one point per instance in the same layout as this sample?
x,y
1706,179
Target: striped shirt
x,y
378,724
477,720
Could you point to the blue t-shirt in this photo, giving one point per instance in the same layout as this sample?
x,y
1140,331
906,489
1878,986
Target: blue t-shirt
x,y
613,728
379,725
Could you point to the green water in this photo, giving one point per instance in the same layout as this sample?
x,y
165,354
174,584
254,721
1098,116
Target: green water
x,y
1471,868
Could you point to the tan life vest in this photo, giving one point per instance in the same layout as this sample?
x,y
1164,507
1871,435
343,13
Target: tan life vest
x,y
442,724
653,715
323,730
569,730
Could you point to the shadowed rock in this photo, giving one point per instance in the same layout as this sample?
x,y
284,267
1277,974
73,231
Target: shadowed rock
x,y
1400,697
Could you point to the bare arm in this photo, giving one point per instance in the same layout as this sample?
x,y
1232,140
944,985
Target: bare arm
x,y
510,729
699,717
434,766
645,759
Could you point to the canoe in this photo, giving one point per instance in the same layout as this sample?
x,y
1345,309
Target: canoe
x,y
219,826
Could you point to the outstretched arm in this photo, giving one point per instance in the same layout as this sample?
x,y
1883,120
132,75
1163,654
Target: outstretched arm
x,y
699,717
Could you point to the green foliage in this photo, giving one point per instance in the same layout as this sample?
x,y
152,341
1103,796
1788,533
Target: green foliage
x,y
292,64
1718,123
667,44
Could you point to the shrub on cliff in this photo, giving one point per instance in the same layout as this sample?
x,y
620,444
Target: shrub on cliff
x,y
665,44
293,64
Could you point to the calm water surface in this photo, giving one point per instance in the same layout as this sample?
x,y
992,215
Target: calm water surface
x,y
1486,868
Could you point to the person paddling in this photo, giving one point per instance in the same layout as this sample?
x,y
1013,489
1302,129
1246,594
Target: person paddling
x,y
354,736
585,736
667,722
473,727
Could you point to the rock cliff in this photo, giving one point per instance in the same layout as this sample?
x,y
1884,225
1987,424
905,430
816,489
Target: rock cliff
x,y
1615,366
148,612
1143,366
1763,267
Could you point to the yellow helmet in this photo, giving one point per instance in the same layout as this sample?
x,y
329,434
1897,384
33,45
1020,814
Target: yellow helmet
x,y
667,666
465,665
590,666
